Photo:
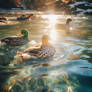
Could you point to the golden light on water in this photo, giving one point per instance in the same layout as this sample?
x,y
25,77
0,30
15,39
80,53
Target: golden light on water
x,y
84,17
71,28
52,20
52,25
53,34
70,89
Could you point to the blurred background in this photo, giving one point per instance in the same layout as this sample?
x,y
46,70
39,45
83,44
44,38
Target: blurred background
x,y
69,6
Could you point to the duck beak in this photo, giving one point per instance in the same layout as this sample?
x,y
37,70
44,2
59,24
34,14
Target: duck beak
x,y
19,34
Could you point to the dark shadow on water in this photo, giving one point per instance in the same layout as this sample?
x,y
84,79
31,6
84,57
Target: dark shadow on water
x,y
37,62
5,27
22,79
7,54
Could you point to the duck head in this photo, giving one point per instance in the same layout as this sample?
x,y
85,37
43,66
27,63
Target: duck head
x,y
23,33
45,40
22,15
68,20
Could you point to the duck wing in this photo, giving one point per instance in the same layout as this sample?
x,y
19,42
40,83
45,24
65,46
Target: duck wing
x,y
14,40
45,52
34,51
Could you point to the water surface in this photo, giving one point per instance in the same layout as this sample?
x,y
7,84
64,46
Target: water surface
x,y
69,70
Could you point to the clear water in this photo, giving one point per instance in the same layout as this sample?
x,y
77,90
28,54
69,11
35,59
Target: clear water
x,y
69,70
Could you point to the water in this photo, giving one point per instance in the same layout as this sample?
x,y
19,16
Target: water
x,y
69,70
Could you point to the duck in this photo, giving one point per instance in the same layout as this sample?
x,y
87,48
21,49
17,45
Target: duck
x,y
19,39
39,51
66,26
68,21
23,17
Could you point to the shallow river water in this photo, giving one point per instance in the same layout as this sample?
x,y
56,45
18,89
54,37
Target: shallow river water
x,y
69,70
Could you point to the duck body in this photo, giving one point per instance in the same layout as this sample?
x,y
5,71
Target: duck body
x,y
24,17
38,53
20,18
15,41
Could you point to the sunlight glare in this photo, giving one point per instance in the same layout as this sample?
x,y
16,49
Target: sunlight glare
x,y
54,73
44,16
71,28
84,17
52,19
53,34
52,23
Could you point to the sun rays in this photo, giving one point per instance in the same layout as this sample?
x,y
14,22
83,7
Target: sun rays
x,y
51,29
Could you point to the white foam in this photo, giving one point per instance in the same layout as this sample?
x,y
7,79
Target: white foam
x,y
25,54
32,42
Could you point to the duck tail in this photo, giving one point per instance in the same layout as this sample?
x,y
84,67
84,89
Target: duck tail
x,y
21,57
18,59
6,40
